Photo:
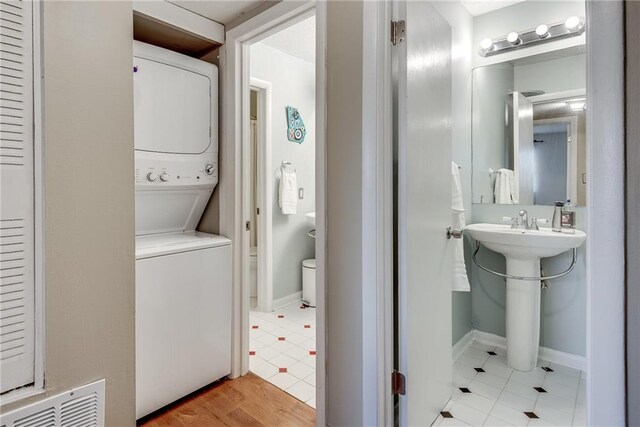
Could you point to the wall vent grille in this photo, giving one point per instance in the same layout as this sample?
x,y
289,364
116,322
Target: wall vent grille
x,y
80,407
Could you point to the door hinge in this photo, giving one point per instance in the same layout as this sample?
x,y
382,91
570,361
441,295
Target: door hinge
x,y
247,226
257,211
398,32
398,383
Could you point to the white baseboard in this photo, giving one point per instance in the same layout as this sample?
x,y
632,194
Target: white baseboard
x,y
462,345
555,356
286,300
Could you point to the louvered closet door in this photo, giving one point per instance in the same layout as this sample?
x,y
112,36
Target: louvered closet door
x,y
16,196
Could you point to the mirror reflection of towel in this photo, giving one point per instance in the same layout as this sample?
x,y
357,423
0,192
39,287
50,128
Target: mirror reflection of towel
x,y
288,199
504,189
460,279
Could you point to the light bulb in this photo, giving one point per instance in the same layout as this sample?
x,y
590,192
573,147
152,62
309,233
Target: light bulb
x,y
486,45
542,31
572,23
513,38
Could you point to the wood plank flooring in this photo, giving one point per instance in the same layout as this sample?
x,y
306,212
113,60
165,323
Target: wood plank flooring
x,y
246,401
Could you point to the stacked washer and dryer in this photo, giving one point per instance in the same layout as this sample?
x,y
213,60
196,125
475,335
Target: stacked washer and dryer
x,y
183,277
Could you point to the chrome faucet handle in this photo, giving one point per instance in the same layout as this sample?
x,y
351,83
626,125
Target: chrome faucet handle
x,y
514,221
536,221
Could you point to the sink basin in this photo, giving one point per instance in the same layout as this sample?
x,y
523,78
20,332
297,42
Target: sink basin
x,y
523,250
524,244
311,219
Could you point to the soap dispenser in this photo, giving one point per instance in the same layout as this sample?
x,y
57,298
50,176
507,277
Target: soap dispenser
x,y
556,222
568,218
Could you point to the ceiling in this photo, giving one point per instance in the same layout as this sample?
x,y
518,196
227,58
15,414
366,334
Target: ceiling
x,y
480,7
222,11
298,40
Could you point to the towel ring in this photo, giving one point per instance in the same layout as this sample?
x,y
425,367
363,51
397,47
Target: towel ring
x,y
511,276
284,164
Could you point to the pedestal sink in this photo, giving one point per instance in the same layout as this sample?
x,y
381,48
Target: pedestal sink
x,y
523,250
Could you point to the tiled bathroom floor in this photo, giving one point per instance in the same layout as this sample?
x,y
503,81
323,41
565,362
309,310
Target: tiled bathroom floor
x,y
489,393
283,350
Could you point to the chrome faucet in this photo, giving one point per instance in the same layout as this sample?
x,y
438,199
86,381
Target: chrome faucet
x,y
521,222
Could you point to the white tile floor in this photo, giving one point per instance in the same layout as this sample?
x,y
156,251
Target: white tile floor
x,y
501,396
283,350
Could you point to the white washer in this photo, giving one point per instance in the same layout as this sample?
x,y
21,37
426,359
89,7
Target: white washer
x,y
183,277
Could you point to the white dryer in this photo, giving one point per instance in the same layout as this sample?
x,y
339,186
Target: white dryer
x,y
183,277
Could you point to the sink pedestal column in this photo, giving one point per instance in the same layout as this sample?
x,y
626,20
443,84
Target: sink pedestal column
x,y
523,314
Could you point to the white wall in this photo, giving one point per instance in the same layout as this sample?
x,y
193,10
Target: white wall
x,y
461,61
293,84
554,75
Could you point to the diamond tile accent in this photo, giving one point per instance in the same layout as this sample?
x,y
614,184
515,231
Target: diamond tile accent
x,y
491,393
280,354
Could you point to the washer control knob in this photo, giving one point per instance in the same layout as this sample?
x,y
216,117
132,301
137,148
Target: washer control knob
x,y
164,177
151,176
209,169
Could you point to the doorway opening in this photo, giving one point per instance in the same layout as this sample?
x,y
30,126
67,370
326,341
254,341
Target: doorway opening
x,y
279,195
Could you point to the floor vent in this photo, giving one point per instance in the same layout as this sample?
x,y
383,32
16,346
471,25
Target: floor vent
x,y
80,407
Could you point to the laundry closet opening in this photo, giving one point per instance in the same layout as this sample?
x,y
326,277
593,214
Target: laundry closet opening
x,y
279,200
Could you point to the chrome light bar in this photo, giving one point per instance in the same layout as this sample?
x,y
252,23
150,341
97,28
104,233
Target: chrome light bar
x,y
573,26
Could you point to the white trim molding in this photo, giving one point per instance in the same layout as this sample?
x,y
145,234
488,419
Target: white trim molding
x,y
462,345
265,197
554,356
286,300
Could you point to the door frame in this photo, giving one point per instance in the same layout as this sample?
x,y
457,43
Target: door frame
x,y
235,92
264,196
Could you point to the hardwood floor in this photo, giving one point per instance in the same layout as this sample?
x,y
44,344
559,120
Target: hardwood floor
x,y
246,401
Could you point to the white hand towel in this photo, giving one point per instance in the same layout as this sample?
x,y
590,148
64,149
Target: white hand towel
x,y
460,279
505,187
288,199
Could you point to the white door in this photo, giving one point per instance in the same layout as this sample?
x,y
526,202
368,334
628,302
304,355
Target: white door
x,y
17,251
424,213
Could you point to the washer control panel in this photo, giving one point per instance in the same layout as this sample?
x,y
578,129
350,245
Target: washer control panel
x,y
150,172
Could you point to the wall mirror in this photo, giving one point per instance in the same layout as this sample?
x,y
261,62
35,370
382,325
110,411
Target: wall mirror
x,y
528,130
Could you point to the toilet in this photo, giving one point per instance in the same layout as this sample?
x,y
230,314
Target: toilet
x,y
309,282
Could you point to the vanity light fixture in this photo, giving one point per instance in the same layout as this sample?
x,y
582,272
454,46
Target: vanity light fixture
x,y
573,26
